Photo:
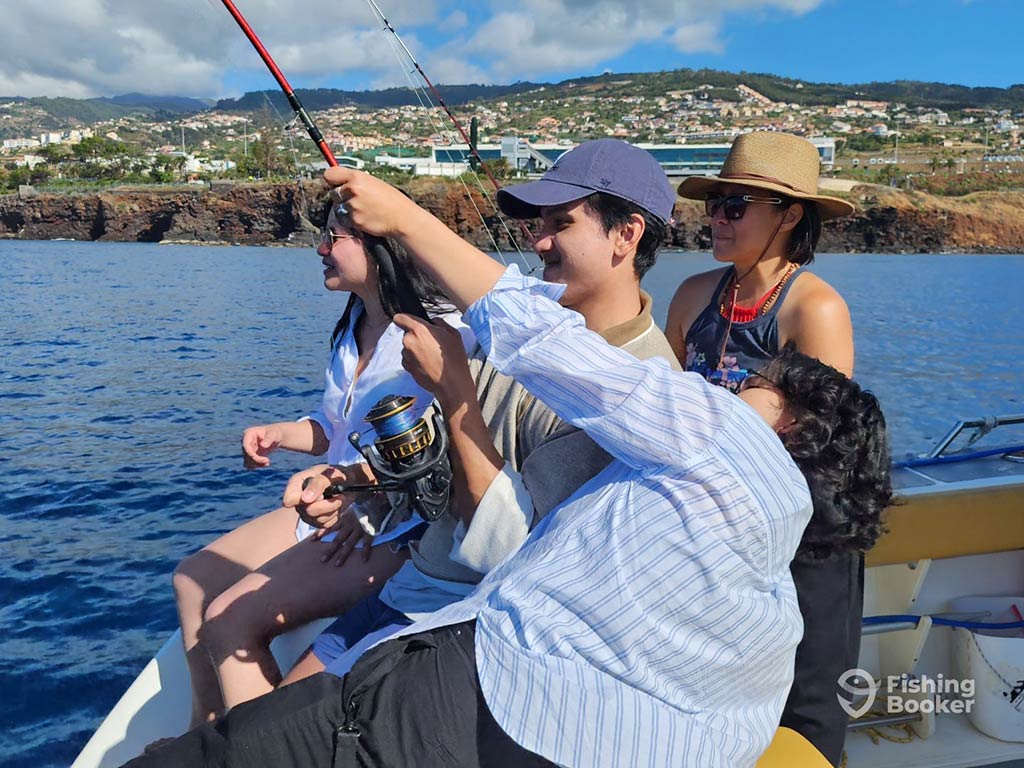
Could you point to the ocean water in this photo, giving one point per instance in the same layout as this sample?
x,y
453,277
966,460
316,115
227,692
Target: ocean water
x,y
128,372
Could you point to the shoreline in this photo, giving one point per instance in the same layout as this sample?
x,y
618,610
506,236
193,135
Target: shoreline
x,y
667,249
287,214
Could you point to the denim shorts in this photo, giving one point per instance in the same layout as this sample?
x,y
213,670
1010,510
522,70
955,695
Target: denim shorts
x,y
343,642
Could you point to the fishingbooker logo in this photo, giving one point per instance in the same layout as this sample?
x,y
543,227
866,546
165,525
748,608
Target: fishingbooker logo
x,y
857,682
905,694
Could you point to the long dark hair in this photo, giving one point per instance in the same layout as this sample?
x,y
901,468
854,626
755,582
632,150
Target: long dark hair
x,y
803,238
840,445
433,299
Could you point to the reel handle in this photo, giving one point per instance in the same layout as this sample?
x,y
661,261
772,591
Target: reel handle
x,y
339,488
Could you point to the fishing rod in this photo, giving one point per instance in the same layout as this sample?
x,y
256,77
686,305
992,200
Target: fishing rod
x,y
289,92
451,115
391,276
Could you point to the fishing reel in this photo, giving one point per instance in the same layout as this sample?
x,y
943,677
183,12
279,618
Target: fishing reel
x,y
408,456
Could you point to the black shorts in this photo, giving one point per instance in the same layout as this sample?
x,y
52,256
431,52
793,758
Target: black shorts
x,y
414,701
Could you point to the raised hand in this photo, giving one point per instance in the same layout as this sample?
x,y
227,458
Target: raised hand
x,y
434,354
373,206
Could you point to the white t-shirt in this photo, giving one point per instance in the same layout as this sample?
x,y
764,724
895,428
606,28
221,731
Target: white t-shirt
x,y
347,399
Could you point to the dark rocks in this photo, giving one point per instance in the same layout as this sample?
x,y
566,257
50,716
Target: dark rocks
x,y
252,214
886,221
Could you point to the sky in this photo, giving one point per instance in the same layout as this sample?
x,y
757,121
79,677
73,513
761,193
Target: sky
x,y
85,48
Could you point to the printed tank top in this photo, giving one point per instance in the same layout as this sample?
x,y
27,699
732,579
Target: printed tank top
x,y
750,347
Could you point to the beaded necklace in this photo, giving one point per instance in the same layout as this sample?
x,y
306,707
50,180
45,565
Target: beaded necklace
x,y
762,305
736,289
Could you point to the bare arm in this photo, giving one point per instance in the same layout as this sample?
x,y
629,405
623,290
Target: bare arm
x,y
692,295
818,321
435,356
463,272
301,436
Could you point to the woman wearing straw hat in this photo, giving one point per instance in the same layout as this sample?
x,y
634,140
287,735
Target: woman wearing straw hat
x,y
766,217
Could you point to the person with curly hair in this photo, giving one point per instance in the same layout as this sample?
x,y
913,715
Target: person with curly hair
x,y
841,448
766,213
651,617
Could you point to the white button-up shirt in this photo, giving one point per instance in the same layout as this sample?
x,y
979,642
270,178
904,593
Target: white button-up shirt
x,y
651,619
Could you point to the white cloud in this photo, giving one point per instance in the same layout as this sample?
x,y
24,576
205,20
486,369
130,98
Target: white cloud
x,y
548,38
456,20
700,37
192,47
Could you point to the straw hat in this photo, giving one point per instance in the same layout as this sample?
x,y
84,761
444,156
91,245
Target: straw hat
x,y
779,162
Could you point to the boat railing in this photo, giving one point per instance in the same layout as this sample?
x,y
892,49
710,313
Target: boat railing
x,y
981,426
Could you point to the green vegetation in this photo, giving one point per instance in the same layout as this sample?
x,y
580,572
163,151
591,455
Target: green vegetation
x,y
64,110
652,84
325,98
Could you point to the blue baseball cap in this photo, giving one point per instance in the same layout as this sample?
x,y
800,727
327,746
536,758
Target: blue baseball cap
x,y
605,165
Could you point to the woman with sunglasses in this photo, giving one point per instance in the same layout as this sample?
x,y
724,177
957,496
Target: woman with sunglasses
x,y
765,214
727,324
261,579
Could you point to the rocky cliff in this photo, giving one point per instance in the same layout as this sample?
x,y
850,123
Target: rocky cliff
x,y
886,220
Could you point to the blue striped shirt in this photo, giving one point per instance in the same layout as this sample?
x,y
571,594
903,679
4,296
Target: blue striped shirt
x,y
650,620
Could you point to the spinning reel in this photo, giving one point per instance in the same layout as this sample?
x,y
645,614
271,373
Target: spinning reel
x,y
407,456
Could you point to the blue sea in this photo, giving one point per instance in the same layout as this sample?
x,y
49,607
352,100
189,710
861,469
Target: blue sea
x,y
128,372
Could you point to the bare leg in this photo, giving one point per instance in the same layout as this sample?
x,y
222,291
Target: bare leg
x,y
307,665
292,589
201,577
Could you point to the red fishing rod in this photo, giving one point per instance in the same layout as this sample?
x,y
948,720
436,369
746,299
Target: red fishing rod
x,y
289,92
391,276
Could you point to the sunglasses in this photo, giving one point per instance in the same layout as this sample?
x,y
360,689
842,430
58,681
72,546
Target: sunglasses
x,y
329,237
734,206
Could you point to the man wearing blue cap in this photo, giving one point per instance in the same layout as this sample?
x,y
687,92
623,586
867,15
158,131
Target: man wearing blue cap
x,y
650,619
603,213
599,202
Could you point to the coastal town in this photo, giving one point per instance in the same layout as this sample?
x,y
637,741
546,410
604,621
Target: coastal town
x,y
913,146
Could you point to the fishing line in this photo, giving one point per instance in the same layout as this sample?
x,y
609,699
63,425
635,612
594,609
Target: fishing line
x,y
397,41
287,127
429,109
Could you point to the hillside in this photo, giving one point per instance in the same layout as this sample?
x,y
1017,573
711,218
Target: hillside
x,y
28,116
324,98
618,85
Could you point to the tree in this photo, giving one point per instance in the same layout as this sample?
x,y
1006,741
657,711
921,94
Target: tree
x,y
96,147
54,153
15,177
499,168
166,168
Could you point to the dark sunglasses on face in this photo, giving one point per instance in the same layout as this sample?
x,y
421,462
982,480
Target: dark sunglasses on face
x,y
734,206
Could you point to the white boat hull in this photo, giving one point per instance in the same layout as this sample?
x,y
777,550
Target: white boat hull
x,y
159,703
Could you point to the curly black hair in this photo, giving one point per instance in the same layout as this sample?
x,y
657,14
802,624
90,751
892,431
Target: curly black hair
x,y
839,442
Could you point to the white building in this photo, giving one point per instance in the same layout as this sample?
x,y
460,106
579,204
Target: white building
x,y
20,143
